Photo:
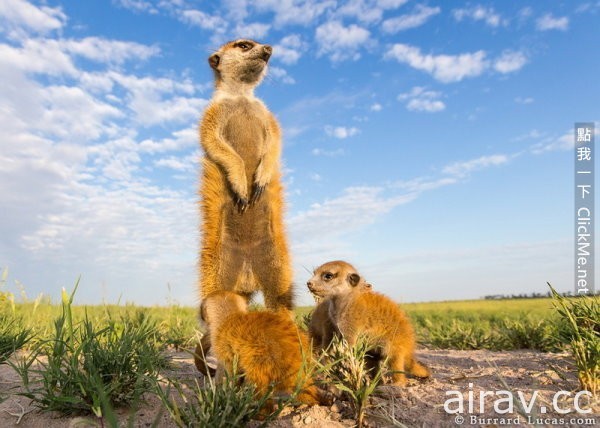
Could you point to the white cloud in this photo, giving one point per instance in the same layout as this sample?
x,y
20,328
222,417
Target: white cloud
x,y
182,164
137,5
315,177
525,13
109,51
376,107
178,140
38,56
510,61
462,169
202,19
339,42
354,209
367,11
423,184
255,30
160,100
524,100
341,132
445,68
19,15
479,13
281,75
423,104
328,153
419,17
551,144
71,113
288,12
420,99
549,22
289,49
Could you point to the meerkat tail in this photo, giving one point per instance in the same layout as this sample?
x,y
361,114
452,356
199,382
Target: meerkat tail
x,y
418,370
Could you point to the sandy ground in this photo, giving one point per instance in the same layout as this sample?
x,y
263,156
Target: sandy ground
x,y
420,404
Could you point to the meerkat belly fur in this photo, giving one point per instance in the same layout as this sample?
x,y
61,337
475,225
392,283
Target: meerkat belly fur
x,y
268,346
244,247
355,312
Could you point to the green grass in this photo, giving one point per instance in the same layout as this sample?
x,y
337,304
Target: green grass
x,y
90,359
582,318
12,336
87,368
230,403
348,369
475,324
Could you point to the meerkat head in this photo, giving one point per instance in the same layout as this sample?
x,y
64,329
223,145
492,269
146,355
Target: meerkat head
x,y
242,62
218,305
337,277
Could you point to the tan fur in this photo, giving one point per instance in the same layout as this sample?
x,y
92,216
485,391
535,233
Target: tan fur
x,y
244,244
269,347
337,275
354,313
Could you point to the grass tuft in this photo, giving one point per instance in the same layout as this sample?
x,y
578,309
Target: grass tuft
x,y
89,369
230,403
349,371
581,317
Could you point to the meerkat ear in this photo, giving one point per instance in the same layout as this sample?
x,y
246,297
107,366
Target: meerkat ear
x,y
213,60
354,279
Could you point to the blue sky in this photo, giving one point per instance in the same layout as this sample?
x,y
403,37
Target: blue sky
x,y
428,143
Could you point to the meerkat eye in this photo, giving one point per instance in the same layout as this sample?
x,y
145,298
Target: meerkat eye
x,y
244,46
327,276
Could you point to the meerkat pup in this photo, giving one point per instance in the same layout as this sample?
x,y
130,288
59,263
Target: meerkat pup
x,y
354,313
268,346
244,246
321,329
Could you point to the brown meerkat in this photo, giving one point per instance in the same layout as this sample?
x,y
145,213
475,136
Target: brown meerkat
x,y
354,312
321,328
270,349
244,246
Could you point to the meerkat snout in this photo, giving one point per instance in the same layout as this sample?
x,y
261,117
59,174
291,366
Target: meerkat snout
x,y
267,51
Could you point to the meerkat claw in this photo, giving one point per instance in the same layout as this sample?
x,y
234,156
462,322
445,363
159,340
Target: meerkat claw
x,y
257,193
241,204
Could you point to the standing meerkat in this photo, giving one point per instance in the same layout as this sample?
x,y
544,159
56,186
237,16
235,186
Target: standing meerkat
x,y
269,348
354,312
244,244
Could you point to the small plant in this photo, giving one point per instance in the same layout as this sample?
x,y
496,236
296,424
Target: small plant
x,y
464,335
177,329
90,369
12,336
349,371
581,316
527,333
231,403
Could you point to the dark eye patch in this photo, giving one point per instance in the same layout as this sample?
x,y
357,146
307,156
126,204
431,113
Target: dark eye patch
x,y
245,45
328,276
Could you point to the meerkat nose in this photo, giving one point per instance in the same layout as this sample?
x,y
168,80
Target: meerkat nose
x,y
309,284
267,51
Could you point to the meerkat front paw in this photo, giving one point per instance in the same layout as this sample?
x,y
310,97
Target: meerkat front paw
x,y
257,191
